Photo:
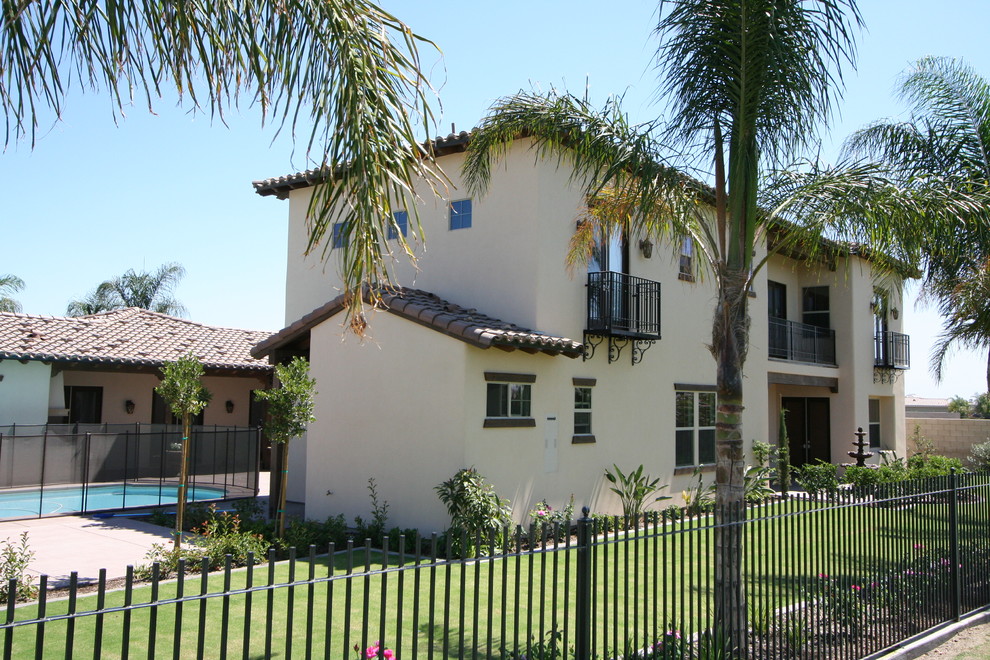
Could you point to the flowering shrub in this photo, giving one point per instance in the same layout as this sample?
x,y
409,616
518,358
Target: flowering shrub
x,y
375,651
543,513
843,601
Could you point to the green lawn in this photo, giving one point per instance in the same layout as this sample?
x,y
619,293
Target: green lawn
x,y
642,587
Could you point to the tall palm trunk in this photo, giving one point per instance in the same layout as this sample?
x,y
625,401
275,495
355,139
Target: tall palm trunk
x,y
729,342
180,508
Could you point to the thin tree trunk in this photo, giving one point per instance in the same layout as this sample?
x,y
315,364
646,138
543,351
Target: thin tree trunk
x,y
729,342
180,508
283,486
988,372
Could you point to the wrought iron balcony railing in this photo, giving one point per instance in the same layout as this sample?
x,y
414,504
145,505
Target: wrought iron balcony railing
x,y
892,350
621,305
801,342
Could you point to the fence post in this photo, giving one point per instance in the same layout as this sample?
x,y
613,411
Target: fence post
x,y
954,572
582,635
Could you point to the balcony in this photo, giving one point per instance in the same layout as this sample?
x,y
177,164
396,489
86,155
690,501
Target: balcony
x,y
801,342
621,305
624,310
891,350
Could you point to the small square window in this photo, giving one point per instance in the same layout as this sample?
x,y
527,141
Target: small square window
x,y
509,400
460,214
339,235
402,221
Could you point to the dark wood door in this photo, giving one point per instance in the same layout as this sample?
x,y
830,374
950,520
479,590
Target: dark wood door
x,y
808,429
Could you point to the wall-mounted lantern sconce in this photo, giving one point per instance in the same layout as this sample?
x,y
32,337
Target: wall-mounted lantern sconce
x,y
230,407
895,313
646,247
129,407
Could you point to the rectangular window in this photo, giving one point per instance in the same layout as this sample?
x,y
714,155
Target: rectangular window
x,y
686,271
460,214
339,235
509,400
815,306
694,435
874,423
776,300
582,411
401,219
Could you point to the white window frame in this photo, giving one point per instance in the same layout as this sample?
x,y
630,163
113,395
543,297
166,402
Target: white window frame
x,y
516,391
693,425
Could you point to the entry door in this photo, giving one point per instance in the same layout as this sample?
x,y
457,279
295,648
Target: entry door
x,y
808,429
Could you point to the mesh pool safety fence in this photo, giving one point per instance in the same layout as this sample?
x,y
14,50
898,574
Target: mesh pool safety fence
x,y
66,468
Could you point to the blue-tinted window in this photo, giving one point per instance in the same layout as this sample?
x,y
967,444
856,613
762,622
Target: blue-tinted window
x,y
339,235
402,220
460,214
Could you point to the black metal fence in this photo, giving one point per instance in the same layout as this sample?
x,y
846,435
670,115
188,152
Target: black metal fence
x,y
892,350
844,576
64,468
790,340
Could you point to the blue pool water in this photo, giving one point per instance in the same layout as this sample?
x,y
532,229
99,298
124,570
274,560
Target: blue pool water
x,y
74,499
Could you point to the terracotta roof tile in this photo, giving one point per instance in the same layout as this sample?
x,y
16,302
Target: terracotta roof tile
x,y
428,309
129,336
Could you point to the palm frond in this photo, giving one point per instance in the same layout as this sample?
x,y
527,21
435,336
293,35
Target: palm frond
x,y
10,284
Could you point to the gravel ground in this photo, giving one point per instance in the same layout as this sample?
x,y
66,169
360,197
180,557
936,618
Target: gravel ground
x,y
970,644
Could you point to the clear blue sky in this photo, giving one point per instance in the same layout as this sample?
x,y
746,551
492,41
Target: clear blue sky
x,y
94,198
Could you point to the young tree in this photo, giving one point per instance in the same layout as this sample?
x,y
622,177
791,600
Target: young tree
x,y
151,291
9,285
185,395
948,138
290,410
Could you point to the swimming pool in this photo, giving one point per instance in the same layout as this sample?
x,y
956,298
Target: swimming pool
x,y
75,499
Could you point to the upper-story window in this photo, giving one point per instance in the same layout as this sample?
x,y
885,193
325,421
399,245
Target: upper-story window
x,y
815,306
776,300
460,214
339,239
401,225
686,268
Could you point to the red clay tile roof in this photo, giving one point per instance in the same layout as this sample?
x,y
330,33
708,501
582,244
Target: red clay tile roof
x,y
129,336
280,186
468,325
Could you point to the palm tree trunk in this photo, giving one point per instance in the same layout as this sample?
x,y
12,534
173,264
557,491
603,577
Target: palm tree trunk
x,y
730,337
180,508
283,486
988,372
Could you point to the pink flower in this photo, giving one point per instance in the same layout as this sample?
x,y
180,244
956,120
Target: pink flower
x,y
856,587
372,652
919,546
824,576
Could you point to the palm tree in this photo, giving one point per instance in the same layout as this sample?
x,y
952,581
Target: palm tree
x,y
10,284
947,137
345,73
151,291
748,82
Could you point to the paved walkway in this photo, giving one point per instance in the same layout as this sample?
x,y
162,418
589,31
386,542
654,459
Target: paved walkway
x,y
86,544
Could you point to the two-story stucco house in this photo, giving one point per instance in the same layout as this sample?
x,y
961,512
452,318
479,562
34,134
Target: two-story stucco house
x,y
494,355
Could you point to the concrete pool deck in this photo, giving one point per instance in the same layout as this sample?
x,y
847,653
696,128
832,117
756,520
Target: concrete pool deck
x,y
86,544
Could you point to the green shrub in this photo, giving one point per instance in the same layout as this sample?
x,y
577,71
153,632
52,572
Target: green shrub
x,y
544,514
925,466
474,507
700,498
979,457
757,484
634,489
221,535
819,479
14,559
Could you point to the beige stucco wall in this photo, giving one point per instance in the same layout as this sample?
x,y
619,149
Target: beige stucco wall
x,y
952,437
406,406
24,392
119,387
